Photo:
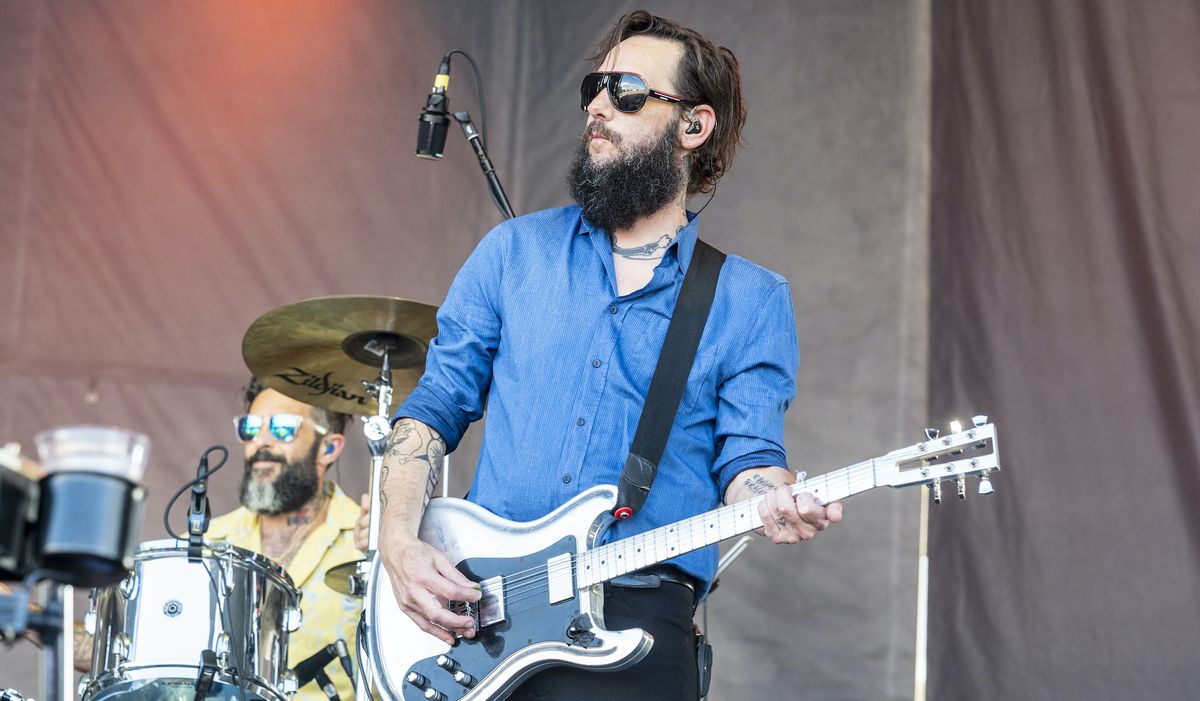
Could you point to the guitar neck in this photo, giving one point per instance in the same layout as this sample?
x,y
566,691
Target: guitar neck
x,y
666,542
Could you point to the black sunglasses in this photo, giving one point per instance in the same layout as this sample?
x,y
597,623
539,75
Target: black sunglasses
x,y
626,91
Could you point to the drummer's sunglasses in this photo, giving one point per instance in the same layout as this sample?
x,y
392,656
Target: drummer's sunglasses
x,y
626,91
283,427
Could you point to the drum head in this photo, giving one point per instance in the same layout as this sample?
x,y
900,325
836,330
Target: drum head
x,y
182,690
152,549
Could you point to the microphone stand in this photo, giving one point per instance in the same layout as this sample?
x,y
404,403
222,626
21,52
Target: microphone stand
x,y
494,187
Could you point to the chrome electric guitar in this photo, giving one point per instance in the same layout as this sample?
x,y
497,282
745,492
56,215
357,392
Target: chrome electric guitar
x,y
542,580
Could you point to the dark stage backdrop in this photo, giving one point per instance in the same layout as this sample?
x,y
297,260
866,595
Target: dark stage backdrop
x,y
169,171
1066,298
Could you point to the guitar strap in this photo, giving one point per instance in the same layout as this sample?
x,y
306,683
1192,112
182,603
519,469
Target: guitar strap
x,y
670,377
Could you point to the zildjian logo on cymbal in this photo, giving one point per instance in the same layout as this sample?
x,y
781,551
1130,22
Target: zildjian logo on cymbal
x,y
320,384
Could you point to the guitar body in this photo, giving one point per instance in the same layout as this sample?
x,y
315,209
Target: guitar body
x,y
532,616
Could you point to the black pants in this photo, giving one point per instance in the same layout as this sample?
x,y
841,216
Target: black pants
x,y
668,673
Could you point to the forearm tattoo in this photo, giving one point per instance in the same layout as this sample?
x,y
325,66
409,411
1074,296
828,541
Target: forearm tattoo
x,y
758,484
413,445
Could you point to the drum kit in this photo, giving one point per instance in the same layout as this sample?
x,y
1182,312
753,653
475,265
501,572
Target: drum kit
x,y
171,621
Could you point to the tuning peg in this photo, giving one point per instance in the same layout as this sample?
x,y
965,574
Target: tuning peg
x,y
936,489
985,485
962,487
979,421
932,433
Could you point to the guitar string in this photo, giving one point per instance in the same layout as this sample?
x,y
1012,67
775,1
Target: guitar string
x,y
520,585
666,534
525,584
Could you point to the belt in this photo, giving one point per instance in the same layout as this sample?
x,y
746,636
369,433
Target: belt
x,y
653,576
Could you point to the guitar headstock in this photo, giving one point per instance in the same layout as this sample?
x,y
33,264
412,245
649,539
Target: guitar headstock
x,y
938,458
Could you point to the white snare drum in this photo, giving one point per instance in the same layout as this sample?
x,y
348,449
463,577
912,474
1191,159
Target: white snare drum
x,y
225,617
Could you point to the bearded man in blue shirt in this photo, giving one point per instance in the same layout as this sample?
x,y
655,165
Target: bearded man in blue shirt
x,y
555,324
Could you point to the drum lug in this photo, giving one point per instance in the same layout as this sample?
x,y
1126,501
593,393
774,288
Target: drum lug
x,y
81,690
292,619
129,586
227,573
89,618
288,683
120,654
223,645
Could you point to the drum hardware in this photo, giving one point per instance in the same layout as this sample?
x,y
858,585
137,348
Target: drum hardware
x,y
208,673
76,524
156,637
129,586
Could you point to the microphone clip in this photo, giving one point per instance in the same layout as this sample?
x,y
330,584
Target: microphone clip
x,y
199,512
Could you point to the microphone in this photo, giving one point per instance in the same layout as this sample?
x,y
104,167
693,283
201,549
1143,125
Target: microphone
x,y
343,654
312,668
199,513
435,117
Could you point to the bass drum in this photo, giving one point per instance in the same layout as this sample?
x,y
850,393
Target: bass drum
x,y
220,620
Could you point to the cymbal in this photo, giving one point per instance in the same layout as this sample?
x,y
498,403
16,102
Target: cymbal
x,y
349,578
320,351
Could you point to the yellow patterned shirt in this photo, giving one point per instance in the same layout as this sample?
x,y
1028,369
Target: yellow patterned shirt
x,y
327,614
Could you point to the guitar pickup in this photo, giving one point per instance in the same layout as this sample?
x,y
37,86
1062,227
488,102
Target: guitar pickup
x,y
489,610
560,579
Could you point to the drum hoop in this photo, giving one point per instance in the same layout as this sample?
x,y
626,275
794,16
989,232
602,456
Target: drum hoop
x,y
166,547
108,681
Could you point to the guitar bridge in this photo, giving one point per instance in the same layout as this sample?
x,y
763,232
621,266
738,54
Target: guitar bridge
x,y
489,610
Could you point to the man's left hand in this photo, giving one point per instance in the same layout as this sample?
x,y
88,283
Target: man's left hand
x,y
788,519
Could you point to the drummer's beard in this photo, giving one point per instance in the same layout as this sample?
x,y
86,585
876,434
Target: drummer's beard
x,y
639,180
295,486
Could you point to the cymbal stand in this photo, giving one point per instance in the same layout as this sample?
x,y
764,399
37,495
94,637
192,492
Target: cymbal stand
x,y
53,625
376,429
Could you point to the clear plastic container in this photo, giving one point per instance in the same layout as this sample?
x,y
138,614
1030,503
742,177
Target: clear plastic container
x,y
105,450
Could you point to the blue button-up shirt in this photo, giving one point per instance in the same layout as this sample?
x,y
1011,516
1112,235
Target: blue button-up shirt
x,y
533,329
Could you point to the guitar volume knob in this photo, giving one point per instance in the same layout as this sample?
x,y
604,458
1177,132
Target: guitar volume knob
x,y
435,695
447,663
464,679
417,679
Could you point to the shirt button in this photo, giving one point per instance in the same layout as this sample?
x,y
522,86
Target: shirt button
x,y
595,363
612,309
580,421
566,479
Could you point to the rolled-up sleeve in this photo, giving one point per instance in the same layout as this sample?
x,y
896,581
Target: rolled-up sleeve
x,y
759,386
458,367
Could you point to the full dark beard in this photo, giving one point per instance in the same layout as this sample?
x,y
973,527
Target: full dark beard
x,y
640,181
295,486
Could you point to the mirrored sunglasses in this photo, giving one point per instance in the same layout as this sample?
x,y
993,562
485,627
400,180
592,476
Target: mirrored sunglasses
x,y
282,427
626,91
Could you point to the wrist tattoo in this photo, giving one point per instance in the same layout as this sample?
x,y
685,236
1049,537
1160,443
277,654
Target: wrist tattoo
x,y
758,484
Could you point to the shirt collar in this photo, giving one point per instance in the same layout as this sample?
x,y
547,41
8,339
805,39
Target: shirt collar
x,y
686,242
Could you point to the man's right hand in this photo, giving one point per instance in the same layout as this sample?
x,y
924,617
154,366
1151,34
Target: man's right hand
x,y
424,581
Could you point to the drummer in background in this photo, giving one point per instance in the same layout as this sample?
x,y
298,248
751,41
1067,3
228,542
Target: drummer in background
x,y
292,514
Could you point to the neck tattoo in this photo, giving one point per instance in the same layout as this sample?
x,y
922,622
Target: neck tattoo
x,y
650,251
298,536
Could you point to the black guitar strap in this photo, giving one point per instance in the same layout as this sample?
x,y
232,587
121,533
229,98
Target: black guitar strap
x,y
670,377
